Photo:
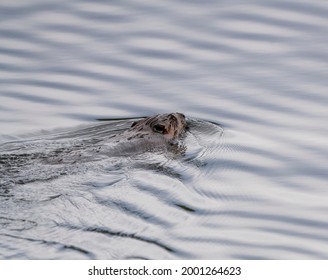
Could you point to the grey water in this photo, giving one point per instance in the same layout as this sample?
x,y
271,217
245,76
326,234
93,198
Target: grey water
x,y
250,76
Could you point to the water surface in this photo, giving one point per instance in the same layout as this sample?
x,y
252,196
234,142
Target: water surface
x,y
258,69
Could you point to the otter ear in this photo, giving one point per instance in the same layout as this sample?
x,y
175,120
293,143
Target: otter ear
x,y
159,128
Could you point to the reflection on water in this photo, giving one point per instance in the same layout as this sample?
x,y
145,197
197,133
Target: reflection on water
x,y
256,191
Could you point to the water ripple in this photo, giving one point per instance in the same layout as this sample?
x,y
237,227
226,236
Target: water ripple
x,y
255,183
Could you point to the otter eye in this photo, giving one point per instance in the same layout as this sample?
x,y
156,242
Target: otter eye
x,y
159,128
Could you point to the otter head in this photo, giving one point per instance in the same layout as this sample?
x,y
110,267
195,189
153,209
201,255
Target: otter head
x,y
170,126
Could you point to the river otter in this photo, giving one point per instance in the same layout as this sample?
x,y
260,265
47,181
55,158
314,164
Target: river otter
x,y
148,134
31,160
169,126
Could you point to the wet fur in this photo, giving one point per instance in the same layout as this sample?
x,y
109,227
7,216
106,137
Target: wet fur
x,y
168,126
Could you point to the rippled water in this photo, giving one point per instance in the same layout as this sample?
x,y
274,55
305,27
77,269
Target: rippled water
x,y
258,69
